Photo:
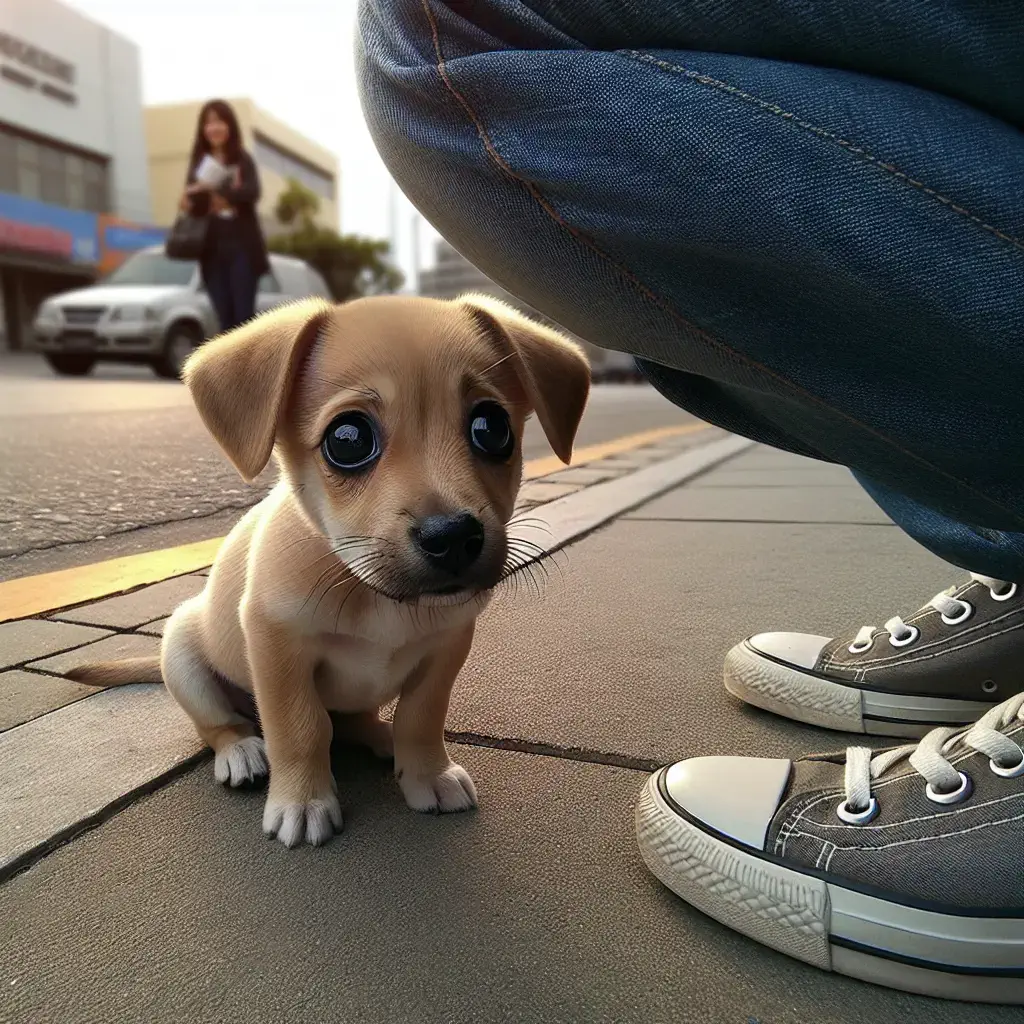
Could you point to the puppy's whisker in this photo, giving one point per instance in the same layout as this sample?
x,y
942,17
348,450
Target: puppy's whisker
x,y
349,571
524,561
531,521
339,564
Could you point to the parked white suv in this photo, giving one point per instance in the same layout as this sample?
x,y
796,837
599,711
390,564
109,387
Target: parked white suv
x,y
150,310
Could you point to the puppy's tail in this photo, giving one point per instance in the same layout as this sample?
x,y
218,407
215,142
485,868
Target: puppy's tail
x,y
118,673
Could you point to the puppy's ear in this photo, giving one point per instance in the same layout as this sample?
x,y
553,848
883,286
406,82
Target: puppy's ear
x,y
241,380
553,371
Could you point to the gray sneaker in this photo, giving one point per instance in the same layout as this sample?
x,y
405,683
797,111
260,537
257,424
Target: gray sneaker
x,y
961,654
903,868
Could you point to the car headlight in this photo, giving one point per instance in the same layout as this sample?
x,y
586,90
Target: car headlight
x,y
134,314
49,315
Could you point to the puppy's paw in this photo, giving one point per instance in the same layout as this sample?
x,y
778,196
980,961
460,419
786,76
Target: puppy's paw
x,y
313,822
446,791
241,763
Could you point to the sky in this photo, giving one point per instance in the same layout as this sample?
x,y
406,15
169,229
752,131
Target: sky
x,y
293,58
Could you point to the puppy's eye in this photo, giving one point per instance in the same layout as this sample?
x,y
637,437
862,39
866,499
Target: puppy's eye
x,y
351,442
490,431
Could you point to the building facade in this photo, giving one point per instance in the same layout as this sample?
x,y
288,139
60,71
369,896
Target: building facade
x,y
452,275
280,153
74,185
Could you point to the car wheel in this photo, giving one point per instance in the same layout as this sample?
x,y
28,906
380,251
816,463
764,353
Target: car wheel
x,y
179,344
69,364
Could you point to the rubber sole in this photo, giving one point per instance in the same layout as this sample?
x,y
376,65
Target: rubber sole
x,y
787,691
826,925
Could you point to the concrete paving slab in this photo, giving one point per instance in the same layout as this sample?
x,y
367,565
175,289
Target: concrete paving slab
x,y
153,628
130,610
763,457
583,475
566,519
29,639
122,645
622,652
628,461
541,491
536,908
826,476
27,695
61,770
767,505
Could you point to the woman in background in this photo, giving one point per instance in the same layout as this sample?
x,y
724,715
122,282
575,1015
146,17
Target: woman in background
x,y
235,254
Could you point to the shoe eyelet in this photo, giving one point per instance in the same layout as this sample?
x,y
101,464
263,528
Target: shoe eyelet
x,y
1006,595
954,796
1013,772
989,686
967,610
861,648
851,817
907,640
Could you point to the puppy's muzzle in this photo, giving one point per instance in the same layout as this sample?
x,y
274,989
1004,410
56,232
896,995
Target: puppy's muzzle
x,y
449,544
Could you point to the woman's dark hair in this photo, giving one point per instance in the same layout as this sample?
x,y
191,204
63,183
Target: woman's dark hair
x,y
233,146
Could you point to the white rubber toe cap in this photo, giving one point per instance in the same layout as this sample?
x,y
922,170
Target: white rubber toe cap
x,y
736,796
798,649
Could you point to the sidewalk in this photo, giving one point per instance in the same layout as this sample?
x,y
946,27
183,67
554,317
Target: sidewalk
x,y
535,908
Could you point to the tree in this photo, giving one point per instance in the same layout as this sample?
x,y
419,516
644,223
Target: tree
x,y
352,265
297,206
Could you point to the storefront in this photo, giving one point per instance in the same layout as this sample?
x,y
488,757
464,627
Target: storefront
x,y
45,250
74,184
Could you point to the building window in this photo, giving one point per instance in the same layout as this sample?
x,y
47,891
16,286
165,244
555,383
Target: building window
x,y
8,163
51,176
40,169
271,156
95,179
29,178
74,171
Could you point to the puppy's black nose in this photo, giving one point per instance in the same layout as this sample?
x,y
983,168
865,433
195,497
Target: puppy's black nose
x,y
450,543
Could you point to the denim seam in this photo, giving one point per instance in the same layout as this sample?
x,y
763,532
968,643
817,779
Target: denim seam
x,y
824,133
648,293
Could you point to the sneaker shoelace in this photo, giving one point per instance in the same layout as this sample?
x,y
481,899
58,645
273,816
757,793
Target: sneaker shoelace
x,y
930,757
945,604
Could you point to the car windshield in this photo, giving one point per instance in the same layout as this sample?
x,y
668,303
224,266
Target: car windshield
x,y
152,268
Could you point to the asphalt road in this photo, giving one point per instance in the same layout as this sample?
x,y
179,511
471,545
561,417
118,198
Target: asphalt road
x,y
119,462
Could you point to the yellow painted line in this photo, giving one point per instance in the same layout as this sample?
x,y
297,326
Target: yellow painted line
x,y
536,468
36,595
33,595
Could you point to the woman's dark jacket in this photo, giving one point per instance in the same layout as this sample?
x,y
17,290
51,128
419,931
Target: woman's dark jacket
x,y
243,198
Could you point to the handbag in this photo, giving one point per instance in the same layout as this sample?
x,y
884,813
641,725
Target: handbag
x,y
187,237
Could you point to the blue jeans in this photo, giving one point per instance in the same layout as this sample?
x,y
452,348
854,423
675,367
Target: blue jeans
x,y
805,220
231,284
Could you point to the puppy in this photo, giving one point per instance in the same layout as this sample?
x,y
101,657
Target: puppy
x,y
396,423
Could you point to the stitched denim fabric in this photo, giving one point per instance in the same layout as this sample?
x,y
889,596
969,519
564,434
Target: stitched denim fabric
x,y
825,256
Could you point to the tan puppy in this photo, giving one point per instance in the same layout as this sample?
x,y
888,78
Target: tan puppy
x,y
396,424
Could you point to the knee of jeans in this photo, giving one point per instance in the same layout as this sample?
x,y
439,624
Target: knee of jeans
x,y
403,47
